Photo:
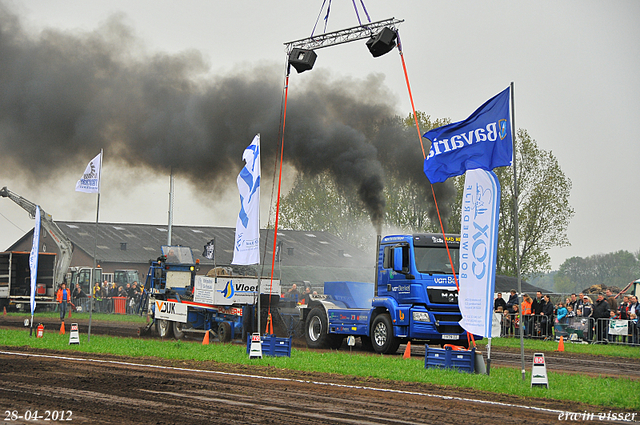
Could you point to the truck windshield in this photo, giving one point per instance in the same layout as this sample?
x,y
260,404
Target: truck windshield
x,y
178,254
434,260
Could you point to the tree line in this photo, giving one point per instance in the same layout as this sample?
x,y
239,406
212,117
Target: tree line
x,y
614,269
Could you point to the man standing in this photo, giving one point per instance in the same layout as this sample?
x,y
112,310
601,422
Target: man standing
x,y
633,305
62,298
499,302
601,315
513,300
293,292
79,297
580,302
537,307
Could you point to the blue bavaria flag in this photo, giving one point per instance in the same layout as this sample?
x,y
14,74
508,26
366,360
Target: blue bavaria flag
x,y
483,141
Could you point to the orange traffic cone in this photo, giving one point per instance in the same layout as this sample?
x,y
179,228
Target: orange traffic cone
x,y
5,311
205,340
62,329
407,351
561,345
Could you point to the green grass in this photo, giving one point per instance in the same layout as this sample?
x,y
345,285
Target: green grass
x,y
612,350
99,317
602,391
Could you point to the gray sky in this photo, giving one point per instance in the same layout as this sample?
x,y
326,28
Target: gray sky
x,y
575,65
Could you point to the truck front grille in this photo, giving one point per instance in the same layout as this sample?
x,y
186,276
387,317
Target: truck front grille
x,y
442,296
449,329
447,317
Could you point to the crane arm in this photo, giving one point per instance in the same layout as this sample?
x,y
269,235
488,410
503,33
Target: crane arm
x,y
62,241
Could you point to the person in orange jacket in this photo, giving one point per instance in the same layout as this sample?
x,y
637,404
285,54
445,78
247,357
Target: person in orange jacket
x,y
62,298
526,314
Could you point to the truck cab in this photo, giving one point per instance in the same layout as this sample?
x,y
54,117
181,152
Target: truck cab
x,y
124,277
82,276
416,281
172,272
414,298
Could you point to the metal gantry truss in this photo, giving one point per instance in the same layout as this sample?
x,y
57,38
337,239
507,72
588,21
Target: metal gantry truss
x,y
343,36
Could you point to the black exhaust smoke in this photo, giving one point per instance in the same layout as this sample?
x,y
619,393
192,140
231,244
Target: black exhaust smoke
x,y
65,96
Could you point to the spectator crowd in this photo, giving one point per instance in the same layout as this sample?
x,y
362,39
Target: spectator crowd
x,y
105,296
602,320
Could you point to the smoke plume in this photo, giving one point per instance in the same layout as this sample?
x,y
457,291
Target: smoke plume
x,y
64,96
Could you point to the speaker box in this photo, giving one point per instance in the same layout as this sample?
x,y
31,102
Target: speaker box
x,y
302,59
382,43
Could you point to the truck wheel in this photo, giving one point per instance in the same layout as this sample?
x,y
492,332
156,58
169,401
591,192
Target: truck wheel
x,y
382,337
178,333
164,328
317,329
224,332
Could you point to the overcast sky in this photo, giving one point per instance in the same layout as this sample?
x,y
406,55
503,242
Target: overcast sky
x,y
575,65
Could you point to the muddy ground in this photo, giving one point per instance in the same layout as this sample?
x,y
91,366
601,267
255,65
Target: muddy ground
x,y
104,389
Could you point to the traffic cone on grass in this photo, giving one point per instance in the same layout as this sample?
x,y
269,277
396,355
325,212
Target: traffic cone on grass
x,y
561,345
5,311
62,329
407,351
205,340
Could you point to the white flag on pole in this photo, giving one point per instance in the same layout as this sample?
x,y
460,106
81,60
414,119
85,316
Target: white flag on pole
x,y
246,249
478,250
33,259
90,181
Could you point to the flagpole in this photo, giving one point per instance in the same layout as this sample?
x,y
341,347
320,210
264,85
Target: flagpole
x,y
170,226
515,224
95,249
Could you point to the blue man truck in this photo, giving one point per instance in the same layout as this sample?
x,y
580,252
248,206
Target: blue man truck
x,y
183,302
414,298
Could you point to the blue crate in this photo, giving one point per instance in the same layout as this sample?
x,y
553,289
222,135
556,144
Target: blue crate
x,y
273,346
461,360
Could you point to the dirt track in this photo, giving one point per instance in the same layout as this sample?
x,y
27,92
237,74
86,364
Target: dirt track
x,y
111,389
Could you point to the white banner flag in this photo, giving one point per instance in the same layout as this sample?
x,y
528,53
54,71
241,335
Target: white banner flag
x,y
33,259
90,181
618,327
496,327
246,249
478,250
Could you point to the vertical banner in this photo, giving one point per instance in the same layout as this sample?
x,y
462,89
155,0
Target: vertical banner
x,y
478,250
33,260
246,249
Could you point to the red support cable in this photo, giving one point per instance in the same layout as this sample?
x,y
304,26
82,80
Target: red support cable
x,y
424,156
470,337
275,232
413,108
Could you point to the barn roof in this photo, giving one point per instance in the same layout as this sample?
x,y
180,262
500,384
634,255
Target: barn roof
x,y
139,243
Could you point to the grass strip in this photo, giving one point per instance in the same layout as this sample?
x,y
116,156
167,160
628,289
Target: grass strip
x,y
538,345
622,393
96,317
612,350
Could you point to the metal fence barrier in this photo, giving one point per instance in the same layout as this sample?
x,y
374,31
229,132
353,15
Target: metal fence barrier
x,y
107,305
577,329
